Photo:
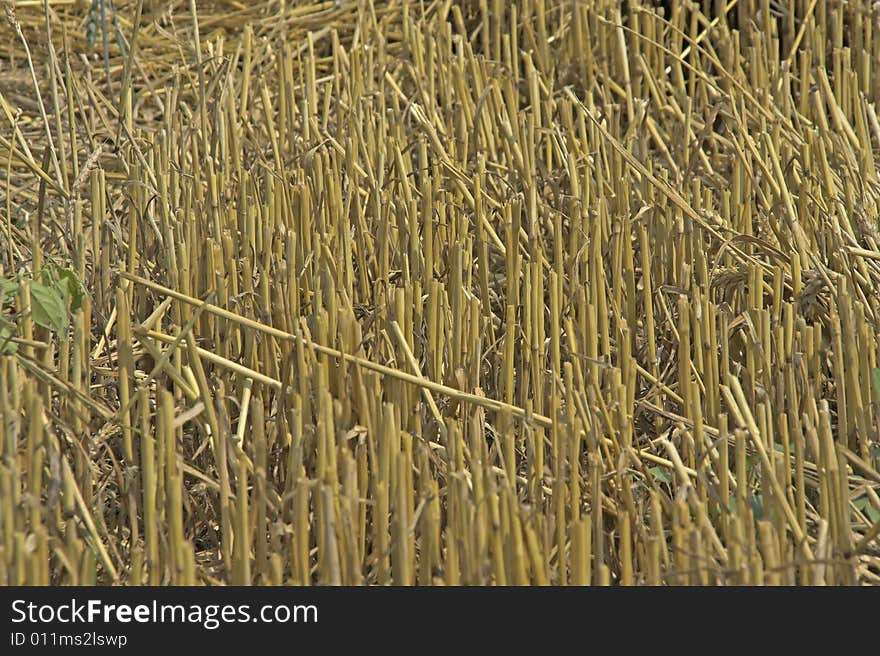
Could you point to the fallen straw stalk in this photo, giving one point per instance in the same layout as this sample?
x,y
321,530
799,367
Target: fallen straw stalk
x,y
221,361
418,381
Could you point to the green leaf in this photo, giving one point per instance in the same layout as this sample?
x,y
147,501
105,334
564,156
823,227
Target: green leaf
x,y
757,502
73,288
660,475
66,283
7,288
7,346
48,307
863,504
875,382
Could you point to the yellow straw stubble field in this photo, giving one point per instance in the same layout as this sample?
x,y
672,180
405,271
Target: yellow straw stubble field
x,y
399,292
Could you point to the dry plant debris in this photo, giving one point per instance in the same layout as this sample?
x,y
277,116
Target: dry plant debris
x,y
434,292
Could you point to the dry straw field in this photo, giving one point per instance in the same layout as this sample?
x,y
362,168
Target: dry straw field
x,y
439,292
